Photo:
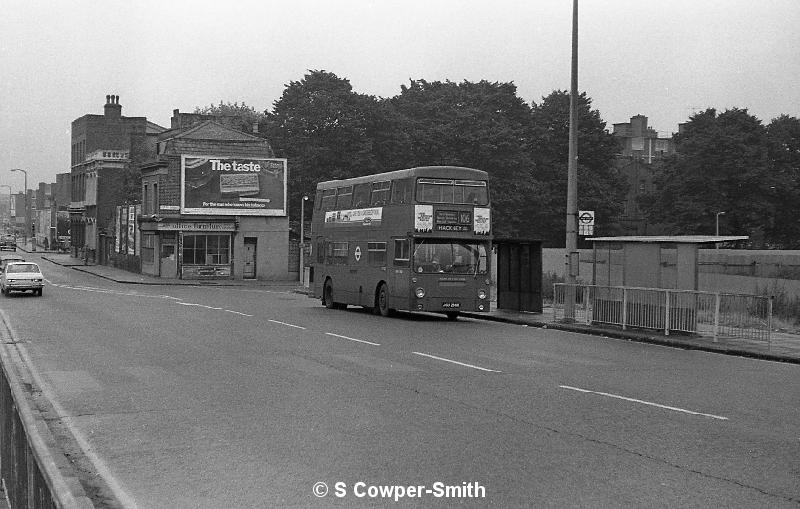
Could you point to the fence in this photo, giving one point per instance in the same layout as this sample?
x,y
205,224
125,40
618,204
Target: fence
x,y
721,315
30,475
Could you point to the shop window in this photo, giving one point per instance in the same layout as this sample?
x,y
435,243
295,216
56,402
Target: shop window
x,y
148,248
206,249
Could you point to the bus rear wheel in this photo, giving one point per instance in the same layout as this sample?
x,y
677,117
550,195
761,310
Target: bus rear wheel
x,y
382,301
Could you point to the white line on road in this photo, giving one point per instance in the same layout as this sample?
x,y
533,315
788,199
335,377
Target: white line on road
x,y
352,339
634,400
456,362
236,312
286,324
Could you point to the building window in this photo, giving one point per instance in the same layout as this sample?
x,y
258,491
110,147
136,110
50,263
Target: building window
x,y
206,249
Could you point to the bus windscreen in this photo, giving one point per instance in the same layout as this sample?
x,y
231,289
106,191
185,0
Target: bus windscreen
x,y
461,257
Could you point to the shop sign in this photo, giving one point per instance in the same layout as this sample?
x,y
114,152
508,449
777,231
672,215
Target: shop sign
x,y
196,226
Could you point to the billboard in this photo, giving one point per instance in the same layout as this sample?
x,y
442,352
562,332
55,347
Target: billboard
x,y
234,186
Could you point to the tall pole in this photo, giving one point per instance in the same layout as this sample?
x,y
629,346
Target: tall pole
x,y
572,263
302,238
27,209
716,246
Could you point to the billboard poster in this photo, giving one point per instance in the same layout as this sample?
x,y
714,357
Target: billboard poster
x,y
118,229
131,229
235,186
365,217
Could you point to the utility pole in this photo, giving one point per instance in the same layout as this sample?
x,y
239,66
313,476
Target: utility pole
x,y
302,238
572,261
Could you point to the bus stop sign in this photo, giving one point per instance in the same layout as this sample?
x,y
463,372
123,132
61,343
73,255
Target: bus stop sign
x,y
586,222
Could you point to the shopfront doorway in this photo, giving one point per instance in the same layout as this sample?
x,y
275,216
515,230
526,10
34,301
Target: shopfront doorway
x,y
249,258
168,256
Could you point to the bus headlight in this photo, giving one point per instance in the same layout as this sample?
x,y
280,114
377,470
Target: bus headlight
x,y
419,292
481,294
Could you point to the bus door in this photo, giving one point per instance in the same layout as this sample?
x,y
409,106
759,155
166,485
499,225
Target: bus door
x,y
400,272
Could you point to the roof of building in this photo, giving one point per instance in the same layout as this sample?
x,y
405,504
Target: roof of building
x,y
673,239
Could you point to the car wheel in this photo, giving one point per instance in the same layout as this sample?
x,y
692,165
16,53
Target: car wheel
x,y
39,292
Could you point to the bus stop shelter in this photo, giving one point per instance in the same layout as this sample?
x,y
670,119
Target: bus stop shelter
x,y
651,261
650,282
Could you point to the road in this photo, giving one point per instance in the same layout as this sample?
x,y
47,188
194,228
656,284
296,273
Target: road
x,y
175,396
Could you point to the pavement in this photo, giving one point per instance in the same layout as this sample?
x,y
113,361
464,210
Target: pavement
x,y
783,346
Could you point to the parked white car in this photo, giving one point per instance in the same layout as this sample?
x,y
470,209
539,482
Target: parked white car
x,y
21,277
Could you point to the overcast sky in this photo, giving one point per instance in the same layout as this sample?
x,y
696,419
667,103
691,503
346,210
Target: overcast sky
x,y
663,59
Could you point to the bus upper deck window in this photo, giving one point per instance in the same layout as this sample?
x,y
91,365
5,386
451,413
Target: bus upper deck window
x,y
328,199
344,197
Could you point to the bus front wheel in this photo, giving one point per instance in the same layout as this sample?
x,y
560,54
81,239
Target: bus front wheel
x,y
382,304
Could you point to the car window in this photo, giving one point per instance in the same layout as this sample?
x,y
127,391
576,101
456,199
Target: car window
x,y
15,268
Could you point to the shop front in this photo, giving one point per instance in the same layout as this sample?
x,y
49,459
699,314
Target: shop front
x,y
188,249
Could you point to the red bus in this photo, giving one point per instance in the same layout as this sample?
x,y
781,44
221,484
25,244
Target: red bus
x,y
416,239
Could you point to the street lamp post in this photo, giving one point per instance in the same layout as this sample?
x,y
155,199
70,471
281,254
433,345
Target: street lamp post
x,y
717,230
27,210
10,202
302,238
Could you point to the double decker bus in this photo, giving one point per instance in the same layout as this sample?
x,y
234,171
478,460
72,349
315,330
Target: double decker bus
x,y
416,239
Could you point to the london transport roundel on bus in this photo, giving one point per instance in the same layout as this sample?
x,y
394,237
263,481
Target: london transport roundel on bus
x,y
357,253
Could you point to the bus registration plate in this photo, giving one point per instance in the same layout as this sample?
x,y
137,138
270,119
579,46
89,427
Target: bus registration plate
x,y
451,305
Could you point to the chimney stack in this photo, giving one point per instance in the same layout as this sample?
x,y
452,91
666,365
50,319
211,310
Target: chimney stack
x,y
112,108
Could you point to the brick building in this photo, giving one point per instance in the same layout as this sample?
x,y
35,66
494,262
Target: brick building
x,y
106,150
213,204
641,150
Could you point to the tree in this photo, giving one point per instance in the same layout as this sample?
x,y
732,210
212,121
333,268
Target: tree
x,y
327,131
480,125
721,164
600,185
238,116
784,154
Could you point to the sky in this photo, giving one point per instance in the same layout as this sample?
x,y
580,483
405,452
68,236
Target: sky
x,y
666,60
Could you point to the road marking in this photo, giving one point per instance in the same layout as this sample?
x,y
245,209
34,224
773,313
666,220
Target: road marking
x,y
352,339
456,362
236,312
286,324
650,403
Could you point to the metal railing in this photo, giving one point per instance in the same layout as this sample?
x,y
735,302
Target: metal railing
x,y
29,472
720,315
